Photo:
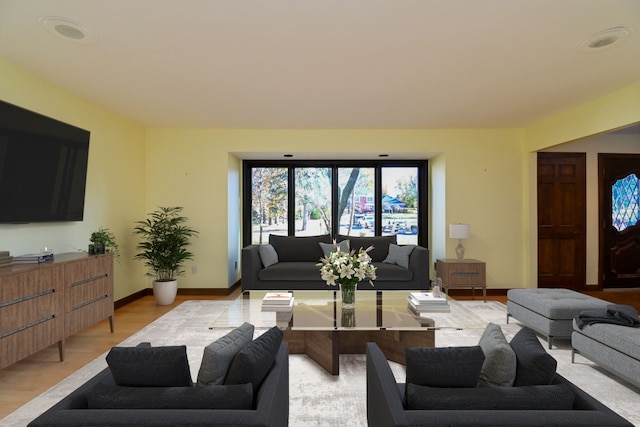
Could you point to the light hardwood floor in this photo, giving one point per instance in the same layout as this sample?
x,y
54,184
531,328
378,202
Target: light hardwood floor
x,y
25,380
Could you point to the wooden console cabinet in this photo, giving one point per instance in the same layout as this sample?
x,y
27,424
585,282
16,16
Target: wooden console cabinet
x,y
468,273
42,304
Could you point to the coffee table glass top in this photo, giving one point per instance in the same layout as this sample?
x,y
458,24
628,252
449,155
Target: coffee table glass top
x,y
321,310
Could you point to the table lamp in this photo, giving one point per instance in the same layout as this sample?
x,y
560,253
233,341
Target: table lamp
x,y
459,231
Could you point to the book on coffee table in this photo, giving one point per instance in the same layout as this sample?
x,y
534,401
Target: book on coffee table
x,y
277,298
278,306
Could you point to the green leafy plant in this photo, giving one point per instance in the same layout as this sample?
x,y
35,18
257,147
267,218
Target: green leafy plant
x,y
103,241
164,244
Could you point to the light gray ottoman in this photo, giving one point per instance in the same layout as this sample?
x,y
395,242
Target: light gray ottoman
x,y
549,311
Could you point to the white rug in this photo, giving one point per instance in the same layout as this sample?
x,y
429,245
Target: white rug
x,y
320,399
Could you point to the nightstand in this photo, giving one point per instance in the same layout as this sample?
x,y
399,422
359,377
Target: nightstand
x,y
468,273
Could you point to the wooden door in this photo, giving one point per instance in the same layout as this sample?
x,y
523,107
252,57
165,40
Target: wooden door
x,y
562,220
619,194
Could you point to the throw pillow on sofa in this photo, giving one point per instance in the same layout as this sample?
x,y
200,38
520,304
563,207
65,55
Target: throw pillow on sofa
x,y
327,248
106,396
499,367
254,361
268,255
541,397
399,255
218,355
534,366
150,366
444,366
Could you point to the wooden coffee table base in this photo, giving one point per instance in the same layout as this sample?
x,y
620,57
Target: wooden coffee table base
x,y
325,347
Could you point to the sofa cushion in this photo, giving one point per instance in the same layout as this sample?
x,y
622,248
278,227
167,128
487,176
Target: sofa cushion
x,y
291,248
291,271
218,355
380,245
268,255
444,366
253,362
534,366
327,248
542,397
399,255
391,272
150,366
499,367
107,396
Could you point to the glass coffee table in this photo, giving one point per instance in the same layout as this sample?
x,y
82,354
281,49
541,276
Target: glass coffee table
x,y
318,327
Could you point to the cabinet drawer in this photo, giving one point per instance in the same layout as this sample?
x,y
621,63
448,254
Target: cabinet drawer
x,y
93,268
83,293
24,343
19,286
19,315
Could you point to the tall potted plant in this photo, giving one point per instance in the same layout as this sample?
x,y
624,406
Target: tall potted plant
x,y
163,247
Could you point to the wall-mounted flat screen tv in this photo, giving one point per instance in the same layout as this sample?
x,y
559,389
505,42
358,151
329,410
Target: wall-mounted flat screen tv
x,y
43,167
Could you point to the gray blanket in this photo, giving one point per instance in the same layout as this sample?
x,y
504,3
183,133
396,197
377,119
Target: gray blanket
x,y
615,314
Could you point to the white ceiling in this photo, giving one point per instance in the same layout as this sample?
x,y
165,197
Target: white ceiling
x,y
328,63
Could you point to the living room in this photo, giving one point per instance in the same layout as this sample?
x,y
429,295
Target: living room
x,y
481,172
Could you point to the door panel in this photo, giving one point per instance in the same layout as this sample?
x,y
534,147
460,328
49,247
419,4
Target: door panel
x,y
562,220
619,190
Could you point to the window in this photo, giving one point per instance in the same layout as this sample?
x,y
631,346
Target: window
x,y
624,202
306,198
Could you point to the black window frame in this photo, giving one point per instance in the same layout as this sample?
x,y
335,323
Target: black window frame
x,y
421,165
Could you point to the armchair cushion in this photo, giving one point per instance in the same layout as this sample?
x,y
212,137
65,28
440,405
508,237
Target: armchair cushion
x,y
499,367
165,366
218,355
105,396
534,366
545,397
444,366
254,361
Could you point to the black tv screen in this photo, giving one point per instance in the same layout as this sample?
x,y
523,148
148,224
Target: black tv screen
x,y
43,167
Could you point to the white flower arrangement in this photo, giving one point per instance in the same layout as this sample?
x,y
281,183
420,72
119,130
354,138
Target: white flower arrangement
x,y
347,268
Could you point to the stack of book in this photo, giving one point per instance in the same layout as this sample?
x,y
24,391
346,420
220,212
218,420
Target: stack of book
x,y
33,258
277,301
5,259
426,302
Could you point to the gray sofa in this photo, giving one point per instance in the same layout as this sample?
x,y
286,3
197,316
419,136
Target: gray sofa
x,y
297,257
387,404
270,404
614,347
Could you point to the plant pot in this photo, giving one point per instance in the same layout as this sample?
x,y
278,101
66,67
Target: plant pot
x,y
165,291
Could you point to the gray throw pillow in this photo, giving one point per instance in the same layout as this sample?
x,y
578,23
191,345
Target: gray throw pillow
x,y
268,255
150,366
218,355
106,396
499,367
327,248
254,361
534,365
399,255
444,366
542,397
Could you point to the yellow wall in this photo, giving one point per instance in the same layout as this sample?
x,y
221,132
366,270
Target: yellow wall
x,y
115,182
483,178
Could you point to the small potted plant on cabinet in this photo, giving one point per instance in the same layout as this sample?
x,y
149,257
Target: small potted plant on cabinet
x,y
164,249
102,240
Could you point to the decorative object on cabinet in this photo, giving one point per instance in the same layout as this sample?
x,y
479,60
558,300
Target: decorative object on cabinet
x,y
102,241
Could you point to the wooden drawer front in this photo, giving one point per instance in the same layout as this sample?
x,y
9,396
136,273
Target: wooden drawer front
x,y
83,293
463,273
21,315
19,345
16,287
87,315
89,269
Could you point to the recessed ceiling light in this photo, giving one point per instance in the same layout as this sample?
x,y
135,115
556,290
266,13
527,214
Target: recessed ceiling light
x,y
604,39
68,29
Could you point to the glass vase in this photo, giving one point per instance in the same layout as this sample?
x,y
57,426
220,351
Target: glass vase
x,y
348,294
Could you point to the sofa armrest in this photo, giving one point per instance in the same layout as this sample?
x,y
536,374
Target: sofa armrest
x,y
272,400
251,265
385,405
419,265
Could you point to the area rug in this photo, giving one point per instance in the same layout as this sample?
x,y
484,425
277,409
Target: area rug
x,y
320,399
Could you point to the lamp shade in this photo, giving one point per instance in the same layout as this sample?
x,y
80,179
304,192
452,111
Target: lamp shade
x,y
459,231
